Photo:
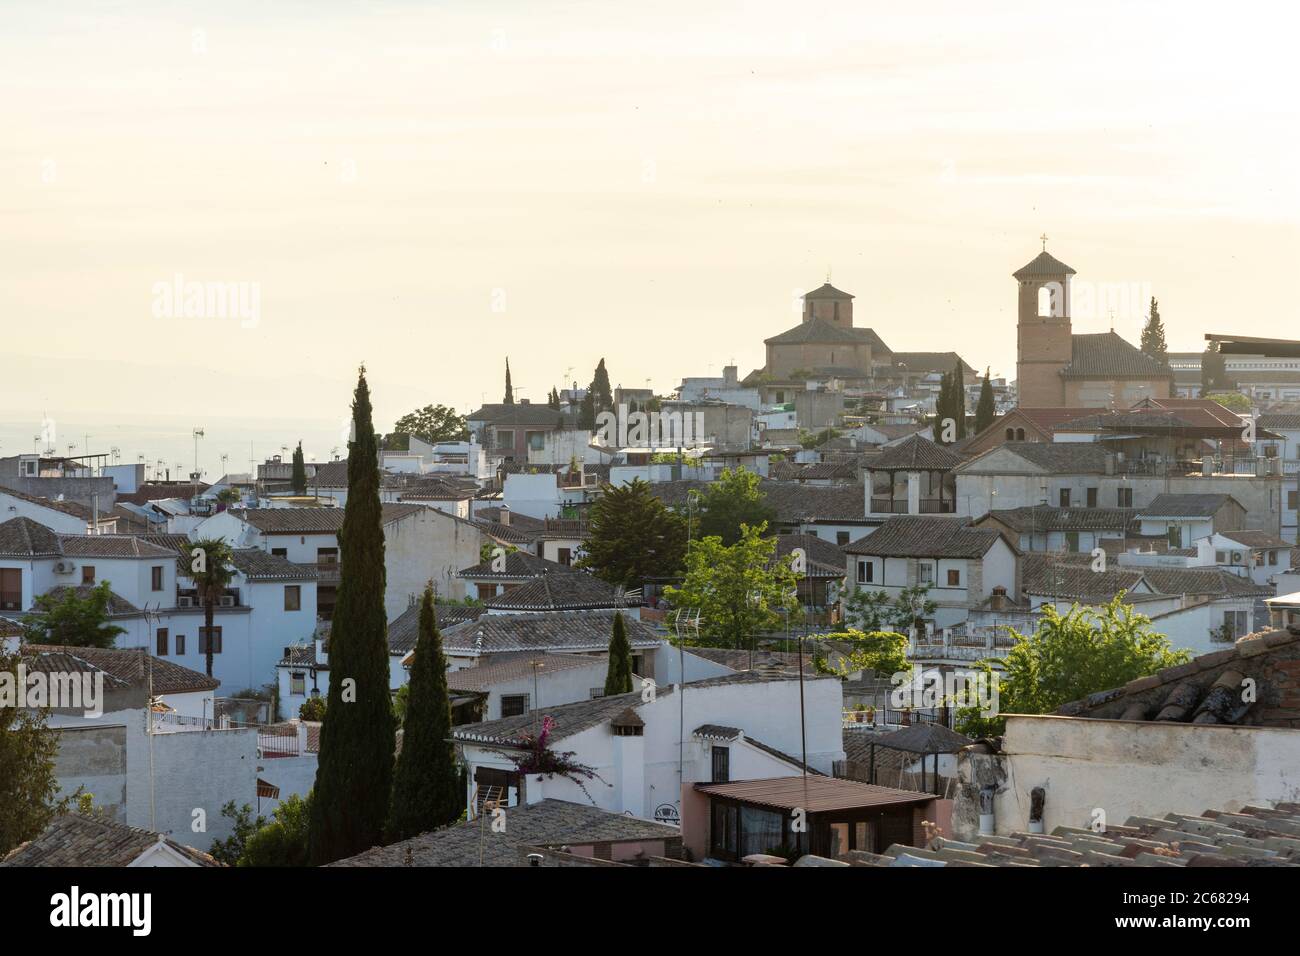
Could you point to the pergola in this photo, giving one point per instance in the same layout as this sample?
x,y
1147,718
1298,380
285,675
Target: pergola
x,y
924,740
915,455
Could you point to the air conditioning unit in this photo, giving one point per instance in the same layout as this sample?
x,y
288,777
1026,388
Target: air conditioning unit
x,y
227,600
64,567
185,601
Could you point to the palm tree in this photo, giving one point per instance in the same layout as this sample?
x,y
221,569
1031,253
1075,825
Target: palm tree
x,y
212,572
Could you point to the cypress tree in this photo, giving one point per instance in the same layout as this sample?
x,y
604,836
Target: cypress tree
x,y
426,787
510,392
985,411
941,405
958,409
299,472
355,774
618,679
587,413
1153,335
604,398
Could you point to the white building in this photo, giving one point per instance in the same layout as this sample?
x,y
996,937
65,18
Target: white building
x,y
643,747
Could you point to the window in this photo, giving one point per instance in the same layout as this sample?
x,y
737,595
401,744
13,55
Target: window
x,y
505,439
486,591
866,572
87,574
1175,537
1220,557
1124,497
1011,434
1065,497
162,642
841,538
1092,497
954,578
722,834
1072,542
536,440
293,597
514,705
180,643
156,575
11,589
1292,497
925,573
327,555
298,684
206,636
1020,434
596,692
280,552
1272,557
564,556
1235,624
721,765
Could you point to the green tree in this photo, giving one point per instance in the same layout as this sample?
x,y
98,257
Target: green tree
x,y
587,412
884,652
553,400
1214,372
355,772
912,607
510,392
299,472
942,406
985,411
618,678
229,496
604,397
731,502
867,610
1068,657
426,786
433,423
28,785
283,841
1235,401
64,616
231,850
738,590
632,537
957,400
1153,335
212,570
313,709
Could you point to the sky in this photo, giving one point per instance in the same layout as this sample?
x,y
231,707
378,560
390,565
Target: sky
x,y
430,187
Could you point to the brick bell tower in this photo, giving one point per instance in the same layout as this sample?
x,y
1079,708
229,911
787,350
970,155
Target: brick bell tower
x,y
1044,341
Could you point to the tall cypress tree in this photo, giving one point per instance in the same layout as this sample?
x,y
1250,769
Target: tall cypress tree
x,y
603,398
618,679
942,405
510,392
355,774
299,472
958,409
1153,335
985,411
426,787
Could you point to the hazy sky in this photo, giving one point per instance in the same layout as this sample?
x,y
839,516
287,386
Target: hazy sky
x,y
429,187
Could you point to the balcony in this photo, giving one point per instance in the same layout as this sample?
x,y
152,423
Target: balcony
x,y
328,572
898,506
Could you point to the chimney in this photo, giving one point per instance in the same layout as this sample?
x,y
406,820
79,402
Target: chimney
x,y
998,599
505,515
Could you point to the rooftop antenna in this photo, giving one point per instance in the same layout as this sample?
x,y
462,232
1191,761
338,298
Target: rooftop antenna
x,y
198,433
